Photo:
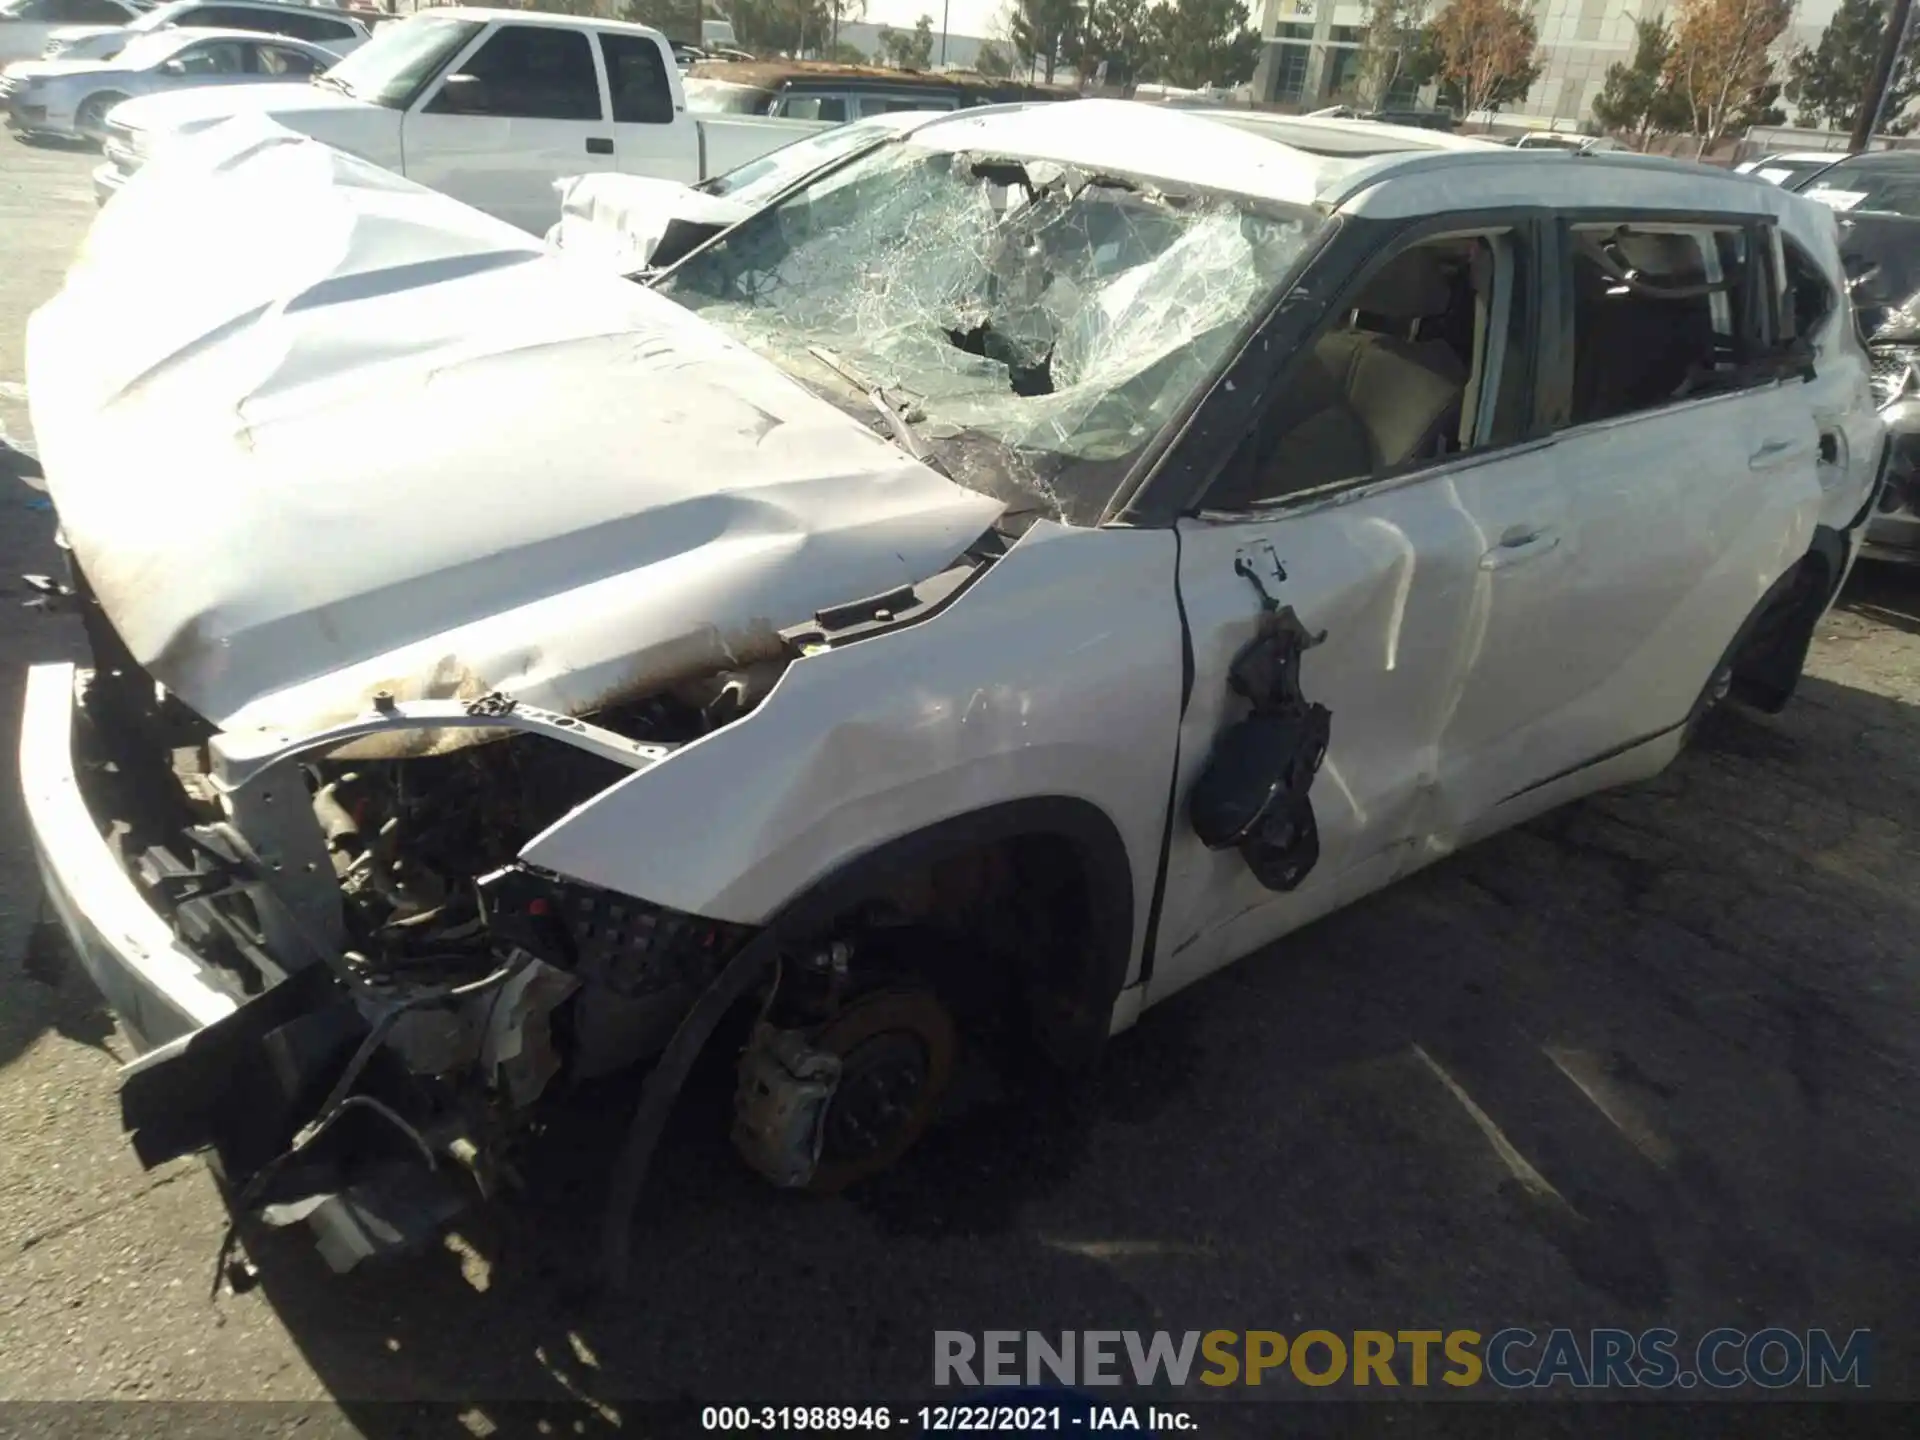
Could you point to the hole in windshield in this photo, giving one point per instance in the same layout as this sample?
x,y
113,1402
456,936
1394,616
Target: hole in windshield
x,y
1035,325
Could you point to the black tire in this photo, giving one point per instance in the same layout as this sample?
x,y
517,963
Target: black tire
x,y
90,119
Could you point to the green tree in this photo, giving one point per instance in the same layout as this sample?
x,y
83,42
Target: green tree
x,y
1194,43
843,53
1828,82
1637,97
993,60
1482,53
908,49
1114,33
1387,46
1721,61
1042,32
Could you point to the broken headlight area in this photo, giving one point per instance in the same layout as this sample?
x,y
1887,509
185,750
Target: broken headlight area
x,y
375,1099
407,990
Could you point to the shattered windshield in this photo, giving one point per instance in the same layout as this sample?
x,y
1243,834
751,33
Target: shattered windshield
x,y
1024,327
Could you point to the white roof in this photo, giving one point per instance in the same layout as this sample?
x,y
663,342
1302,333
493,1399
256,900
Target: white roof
x,y
1126,137
485,14
1336,134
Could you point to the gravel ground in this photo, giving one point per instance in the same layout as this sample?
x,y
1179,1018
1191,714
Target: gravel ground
x,y
1690,1006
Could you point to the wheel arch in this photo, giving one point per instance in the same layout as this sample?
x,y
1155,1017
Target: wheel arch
x,y
1073,1032
1771,647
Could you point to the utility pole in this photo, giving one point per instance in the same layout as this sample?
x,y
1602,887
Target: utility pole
x,y
945,7
1875,100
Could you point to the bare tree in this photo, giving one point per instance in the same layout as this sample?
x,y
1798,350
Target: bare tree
x,y
1720,58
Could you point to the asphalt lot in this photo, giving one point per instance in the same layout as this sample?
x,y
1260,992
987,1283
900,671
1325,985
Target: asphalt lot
x,y
1691,1007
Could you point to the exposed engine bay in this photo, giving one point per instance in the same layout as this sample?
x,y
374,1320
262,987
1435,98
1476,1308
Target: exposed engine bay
x,y
408,988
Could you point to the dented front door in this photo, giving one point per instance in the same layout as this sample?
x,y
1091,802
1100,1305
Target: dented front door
x,y
1391,579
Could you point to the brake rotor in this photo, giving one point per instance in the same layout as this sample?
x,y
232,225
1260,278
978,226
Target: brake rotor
x,y
896,1050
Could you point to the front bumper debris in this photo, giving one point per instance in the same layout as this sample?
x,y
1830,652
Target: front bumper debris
x,y
371,1109
160,989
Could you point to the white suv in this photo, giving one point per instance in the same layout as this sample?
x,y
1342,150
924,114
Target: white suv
x,y
1016,573
322,26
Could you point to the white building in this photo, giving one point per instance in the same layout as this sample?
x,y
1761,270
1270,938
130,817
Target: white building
x,y
1311,55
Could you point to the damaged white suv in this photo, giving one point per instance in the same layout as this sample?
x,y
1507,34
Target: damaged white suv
x,y
1025,568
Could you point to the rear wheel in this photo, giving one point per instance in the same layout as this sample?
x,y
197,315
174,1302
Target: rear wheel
x,y
91,118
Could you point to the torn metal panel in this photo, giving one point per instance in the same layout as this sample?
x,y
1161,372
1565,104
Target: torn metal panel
x,y
614,221
407,449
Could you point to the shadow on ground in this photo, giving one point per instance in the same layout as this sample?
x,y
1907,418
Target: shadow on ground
x,y
1684,1009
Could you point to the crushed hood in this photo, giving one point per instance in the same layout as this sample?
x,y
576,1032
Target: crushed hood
x,y
313,431
616,220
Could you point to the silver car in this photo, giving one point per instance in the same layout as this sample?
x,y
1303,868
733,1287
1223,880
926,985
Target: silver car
x,y
72,97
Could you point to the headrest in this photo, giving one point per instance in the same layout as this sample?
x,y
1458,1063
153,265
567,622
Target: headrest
x,y
1666,259
1411,287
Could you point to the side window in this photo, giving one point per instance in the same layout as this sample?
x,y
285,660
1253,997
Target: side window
x,y
1429,357
1809,298
277,60
526,72
1662,315
93,12
214,57
642,94
323,31
232,17
813,107
888,104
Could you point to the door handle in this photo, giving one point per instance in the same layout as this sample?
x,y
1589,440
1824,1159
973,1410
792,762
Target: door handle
x,y
599,145
1520,544
1771,455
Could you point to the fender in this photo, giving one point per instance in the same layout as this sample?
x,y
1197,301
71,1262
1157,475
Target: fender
x,y
1073,1034
1049,688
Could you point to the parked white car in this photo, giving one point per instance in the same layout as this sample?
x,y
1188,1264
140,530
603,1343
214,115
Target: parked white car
x,y
632,223
1791,166
27,25
324,27
71,98
490,106
1003,581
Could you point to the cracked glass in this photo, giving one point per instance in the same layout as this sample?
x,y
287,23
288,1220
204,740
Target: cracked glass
x,y
1025,327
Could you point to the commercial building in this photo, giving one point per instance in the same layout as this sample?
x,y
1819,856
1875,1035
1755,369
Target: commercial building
x,y
1312,49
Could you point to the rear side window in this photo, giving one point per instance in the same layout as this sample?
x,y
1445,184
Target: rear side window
x,y
888,104
1809,298
813,107
529,72
316,28
93,12
227,17
1663,315
637,77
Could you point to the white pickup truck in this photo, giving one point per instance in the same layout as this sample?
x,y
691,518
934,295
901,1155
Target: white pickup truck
x,y
489,106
